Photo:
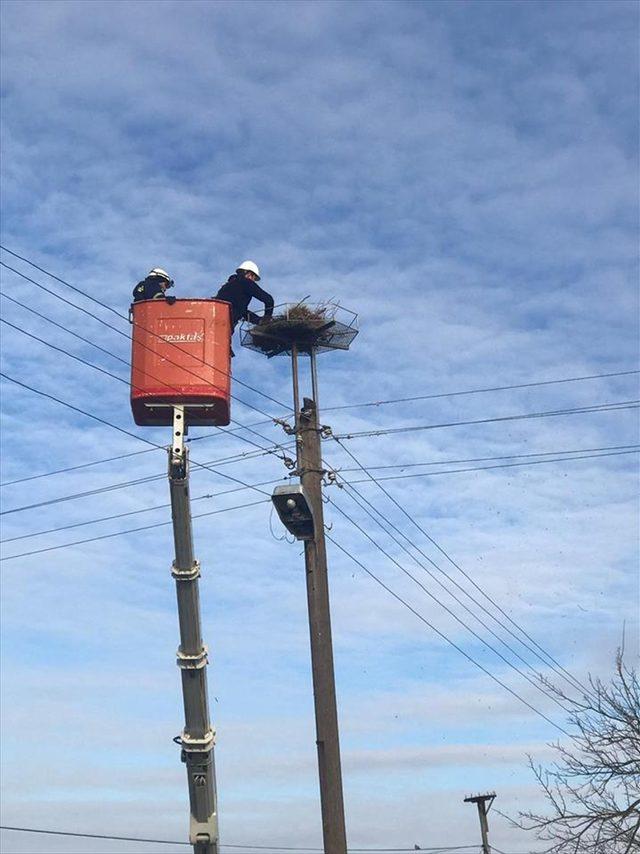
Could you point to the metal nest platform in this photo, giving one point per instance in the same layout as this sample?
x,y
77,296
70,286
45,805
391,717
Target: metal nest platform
x,y
309,328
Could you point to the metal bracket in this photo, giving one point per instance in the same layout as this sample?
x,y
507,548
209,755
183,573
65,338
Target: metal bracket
x,y
326,432
191,744
195,661
186,574
178,453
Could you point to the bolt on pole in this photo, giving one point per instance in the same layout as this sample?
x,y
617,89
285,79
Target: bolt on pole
x,y
197,738
483,809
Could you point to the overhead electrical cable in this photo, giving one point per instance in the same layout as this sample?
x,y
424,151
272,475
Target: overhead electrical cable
x,y
537,685
65,329
115,427
348,485
432,849
499,466
481,390
488,459
549,659
189,439
126,319
135,530
601,407
98,491
124,484
443,636
362,502
249,455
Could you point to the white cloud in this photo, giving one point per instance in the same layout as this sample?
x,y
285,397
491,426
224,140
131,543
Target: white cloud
x,y
463,176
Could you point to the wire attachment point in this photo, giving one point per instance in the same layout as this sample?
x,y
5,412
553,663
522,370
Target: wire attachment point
x,y
288,429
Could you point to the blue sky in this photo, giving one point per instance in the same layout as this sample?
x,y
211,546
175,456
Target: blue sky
x,y
464,176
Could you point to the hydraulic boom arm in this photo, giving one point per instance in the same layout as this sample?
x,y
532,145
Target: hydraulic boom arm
x,y
197,738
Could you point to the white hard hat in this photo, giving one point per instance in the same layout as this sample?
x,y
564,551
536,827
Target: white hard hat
x,y
162,274
250,267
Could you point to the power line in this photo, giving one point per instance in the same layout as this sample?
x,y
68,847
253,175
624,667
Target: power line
x,y
125,318
500,466
488,459
248,455
134,530
435,578
454,615
132,512
550,660
130,454
123,484
115,427
558,670
442,635
434,850
480,390
601,407
64,328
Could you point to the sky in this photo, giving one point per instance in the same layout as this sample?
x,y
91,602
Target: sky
x,y
463,176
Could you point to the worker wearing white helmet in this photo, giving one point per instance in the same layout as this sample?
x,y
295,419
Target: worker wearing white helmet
x,y
154,286
240,288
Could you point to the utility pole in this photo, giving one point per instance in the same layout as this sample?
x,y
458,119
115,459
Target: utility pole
x,y
300,509
483,809
197,738
324,688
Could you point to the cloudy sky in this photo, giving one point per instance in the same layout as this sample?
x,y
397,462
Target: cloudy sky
x,y
463,175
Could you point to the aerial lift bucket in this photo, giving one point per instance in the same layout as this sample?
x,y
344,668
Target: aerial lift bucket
x,y
181,355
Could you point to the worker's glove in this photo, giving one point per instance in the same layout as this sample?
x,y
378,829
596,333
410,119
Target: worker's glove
x,y
252,317
170,300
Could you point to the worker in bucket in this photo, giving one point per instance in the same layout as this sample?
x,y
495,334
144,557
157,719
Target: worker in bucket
x,y
239,289
154,286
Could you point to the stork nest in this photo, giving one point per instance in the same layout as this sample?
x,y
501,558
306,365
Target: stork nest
x,y
304,325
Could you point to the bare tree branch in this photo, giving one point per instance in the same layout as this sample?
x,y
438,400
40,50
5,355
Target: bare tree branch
x,y
592,790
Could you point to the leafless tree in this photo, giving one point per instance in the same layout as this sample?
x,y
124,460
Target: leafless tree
x,y
592,790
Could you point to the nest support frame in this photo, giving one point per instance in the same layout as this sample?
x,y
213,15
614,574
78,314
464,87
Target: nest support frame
x,y
316,329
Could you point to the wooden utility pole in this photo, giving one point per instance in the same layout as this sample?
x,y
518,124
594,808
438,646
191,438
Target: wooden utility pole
x,y
483,809
324,689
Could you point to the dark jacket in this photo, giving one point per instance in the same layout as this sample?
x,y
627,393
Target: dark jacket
x,y
239,292
148,288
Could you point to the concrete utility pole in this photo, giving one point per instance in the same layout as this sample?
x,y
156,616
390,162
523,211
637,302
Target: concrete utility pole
x,y
483,809
198,736
324,689
301,511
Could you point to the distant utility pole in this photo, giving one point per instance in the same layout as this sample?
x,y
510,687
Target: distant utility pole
x,y
198,736
301,510
483,809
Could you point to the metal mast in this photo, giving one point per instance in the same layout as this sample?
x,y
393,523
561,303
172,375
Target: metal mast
x,y
197,738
